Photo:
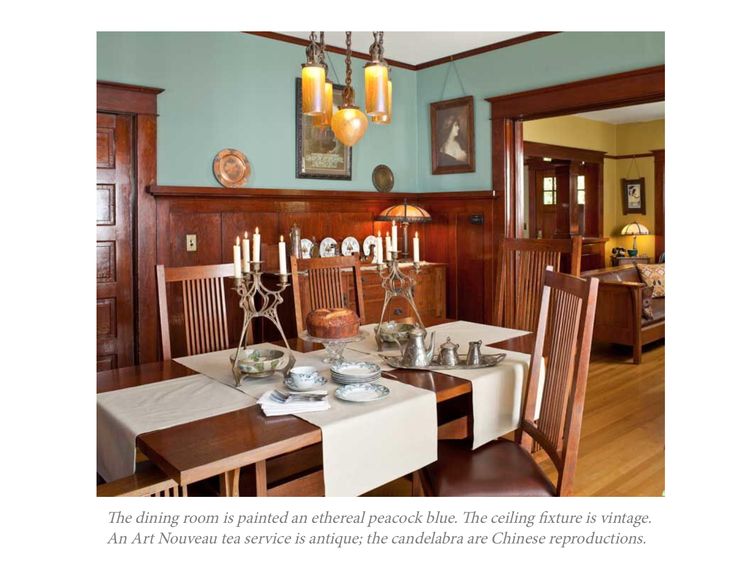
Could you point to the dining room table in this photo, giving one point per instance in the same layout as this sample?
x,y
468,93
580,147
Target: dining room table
x,y
284,455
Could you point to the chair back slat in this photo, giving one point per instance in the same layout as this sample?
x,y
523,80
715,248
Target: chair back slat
x,y
204,307
563,341
522,263
322,283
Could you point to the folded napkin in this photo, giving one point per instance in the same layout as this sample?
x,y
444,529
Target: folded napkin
x,y
273,408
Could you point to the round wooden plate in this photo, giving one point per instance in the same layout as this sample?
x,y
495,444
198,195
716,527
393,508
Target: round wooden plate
x,y
383,178
231,168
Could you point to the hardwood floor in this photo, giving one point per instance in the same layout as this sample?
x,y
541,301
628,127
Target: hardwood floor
x,y
621,452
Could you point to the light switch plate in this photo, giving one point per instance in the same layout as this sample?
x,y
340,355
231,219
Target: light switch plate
x,y
191,242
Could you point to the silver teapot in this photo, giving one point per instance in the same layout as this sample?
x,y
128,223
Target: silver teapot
x,y
415,353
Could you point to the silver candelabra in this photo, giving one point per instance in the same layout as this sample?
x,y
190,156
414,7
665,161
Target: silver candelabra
x,y
248,287
396,283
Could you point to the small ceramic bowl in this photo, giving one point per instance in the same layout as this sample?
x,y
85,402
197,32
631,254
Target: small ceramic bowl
x,y
262,360
303,378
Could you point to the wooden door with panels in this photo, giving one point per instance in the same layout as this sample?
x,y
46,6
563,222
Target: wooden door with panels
x,y
115,327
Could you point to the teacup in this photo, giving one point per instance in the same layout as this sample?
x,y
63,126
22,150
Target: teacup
x,y
304,377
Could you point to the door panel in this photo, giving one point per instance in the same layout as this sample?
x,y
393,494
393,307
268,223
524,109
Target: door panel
x,y
115,330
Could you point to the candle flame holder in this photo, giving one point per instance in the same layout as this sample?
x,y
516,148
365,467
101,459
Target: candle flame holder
x,y
396,283
249,287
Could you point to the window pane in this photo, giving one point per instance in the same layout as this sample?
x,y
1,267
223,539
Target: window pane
x,y
548,198
580,182
580,197
549,183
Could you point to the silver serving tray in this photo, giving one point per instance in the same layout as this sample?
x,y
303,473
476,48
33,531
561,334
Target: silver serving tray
x,y
487,361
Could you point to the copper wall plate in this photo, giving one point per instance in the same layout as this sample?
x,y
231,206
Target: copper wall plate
x,y
231,168
383,178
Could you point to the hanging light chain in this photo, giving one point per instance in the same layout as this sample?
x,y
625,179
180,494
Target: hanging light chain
x,y
348,96
348,59
380,47
322,49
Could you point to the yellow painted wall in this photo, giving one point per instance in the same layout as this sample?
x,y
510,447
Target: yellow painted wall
x,y
623,139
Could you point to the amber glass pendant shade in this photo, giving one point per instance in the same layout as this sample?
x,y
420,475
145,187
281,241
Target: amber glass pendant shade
x,y
325,118
376,89
386,118
349,125
313,79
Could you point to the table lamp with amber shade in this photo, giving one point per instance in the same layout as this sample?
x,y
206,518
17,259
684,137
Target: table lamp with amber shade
x,y
635,229
404,214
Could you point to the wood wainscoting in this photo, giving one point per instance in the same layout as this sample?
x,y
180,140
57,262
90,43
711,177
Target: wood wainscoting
x,y
459,236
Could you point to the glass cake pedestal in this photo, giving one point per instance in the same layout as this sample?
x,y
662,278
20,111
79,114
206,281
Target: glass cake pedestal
x,y
333,347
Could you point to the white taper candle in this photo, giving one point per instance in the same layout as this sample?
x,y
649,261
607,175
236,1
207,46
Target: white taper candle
x,y
246,253
236,258
256,245
282,257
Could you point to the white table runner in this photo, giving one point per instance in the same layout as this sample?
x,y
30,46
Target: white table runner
x,y
497,392
124,414
364,445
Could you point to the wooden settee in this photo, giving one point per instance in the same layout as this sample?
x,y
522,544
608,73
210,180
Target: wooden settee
x,y
620,303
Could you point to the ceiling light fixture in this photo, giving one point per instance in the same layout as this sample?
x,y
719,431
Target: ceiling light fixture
x,y
376,80
324,119
313,78
349,123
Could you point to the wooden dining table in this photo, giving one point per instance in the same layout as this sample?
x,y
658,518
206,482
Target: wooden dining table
x,y
284,452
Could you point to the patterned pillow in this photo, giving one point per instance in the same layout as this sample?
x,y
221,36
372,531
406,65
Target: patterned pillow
x,y
653,276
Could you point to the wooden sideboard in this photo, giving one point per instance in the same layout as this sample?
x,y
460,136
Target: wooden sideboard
x,y
430,298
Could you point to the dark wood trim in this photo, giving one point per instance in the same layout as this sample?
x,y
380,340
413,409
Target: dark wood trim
x,y
141,103
331,48
126,98
289,194
484,49
508,112
394,63
534,149
630,156
659,201
611,91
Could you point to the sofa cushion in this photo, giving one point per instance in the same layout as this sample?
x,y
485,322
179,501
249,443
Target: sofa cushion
x,y
647,298
653,276
657,311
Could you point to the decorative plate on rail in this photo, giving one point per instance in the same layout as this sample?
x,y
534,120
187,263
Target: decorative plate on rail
x,y
306,248
350,245
328,247
383,178
231,168
370,241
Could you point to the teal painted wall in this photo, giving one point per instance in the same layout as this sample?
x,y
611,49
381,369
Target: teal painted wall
x,y
555,59
237,90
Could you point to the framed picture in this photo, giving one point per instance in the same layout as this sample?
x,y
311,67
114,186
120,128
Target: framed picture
x,y
453,136
319,154
634,196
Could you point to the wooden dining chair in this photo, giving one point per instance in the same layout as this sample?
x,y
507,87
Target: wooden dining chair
x,y
204,307
325,282
521,267
507,468
148,480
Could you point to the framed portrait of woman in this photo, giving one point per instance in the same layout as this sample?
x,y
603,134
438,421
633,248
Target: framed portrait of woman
x,y
453,136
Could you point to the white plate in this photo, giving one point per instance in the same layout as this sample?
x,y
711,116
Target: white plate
x,y
356,369
350,245
365,392
306,248
369,242
328,247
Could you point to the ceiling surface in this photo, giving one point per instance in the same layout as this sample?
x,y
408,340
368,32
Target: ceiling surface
x,y
628,114
415,47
